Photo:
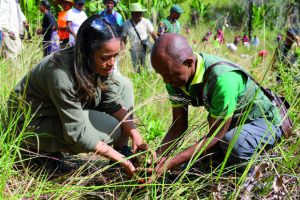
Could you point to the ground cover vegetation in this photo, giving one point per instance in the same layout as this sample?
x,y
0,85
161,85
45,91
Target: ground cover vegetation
x,y
277,172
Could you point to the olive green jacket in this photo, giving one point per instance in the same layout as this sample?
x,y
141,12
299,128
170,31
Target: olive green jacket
x,y
50,93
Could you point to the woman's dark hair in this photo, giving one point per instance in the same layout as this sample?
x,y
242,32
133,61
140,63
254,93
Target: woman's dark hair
x,y
46,4
88,40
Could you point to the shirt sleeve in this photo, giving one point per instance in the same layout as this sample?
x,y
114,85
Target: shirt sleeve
x,y
227,88
72,118
23,18
150,26
119,19
124,29
4,14
70,16
46,23
175,98
111,100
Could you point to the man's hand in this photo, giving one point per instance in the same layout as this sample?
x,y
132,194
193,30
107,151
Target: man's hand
x,y
12,35
40,31
162,165
180,125
55,28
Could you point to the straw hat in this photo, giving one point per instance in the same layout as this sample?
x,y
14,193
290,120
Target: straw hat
x,y
58,2
136,7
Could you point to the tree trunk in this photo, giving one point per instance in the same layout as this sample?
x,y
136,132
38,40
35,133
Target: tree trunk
x,y
250,15
27,14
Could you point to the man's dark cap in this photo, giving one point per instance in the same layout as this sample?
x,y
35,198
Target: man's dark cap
x,y
79,1
293,31
177,8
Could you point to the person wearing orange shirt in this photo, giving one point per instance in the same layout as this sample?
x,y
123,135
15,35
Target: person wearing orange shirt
x,y
62,22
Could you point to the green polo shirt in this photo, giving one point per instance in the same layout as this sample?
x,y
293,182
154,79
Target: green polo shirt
x,y
227,89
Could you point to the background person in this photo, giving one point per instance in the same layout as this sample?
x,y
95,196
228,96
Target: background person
x,y
183,72
22,23
237,40
75,17
47,24
61,26
246,42
206,39
255,41
10,29
110,5
221,36
171,23
71,90
287,55
232,47
138,29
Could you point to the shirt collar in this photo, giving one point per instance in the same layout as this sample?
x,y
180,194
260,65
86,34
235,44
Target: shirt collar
x,y
174,21
105,12
198,77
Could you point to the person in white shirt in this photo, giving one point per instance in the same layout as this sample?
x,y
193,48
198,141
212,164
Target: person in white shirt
x,y
22,23
75,18
10,26
137,29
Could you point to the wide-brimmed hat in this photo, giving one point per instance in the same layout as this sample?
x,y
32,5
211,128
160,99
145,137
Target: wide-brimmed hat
x,y
136,7
58,2
115,2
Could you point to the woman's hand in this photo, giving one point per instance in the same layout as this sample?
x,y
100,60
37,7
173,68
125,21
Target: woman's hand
x,y
129,168
145,147
162,165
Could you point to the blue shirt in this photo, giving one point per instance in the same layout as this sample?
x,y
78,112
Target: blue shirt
x,y
119,16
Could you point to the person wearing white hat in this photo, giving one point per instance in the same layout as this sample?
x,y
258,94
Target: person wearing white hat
x,y
138,29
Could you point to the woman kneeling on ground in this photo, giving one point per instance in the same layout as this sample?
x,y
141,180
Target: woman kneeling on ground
x,y
76,105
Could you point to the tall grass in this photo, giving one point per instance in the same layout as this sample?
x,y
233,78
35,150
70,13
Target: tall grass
x,y
91,179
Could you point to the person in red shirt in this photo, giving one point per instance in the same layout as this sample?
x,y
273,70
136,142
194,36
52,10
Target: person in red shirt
x,y
245,38
237,40
62,22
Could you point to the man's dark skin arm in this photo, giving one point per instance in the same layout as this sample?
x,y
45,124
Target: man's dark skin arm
x,y
153,35
168,163
188,154
26,26
70,29
180,125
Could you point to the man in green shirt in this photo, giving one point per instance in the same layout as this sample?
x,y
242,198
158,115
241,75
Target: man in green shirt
x,y
225,91
171,23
